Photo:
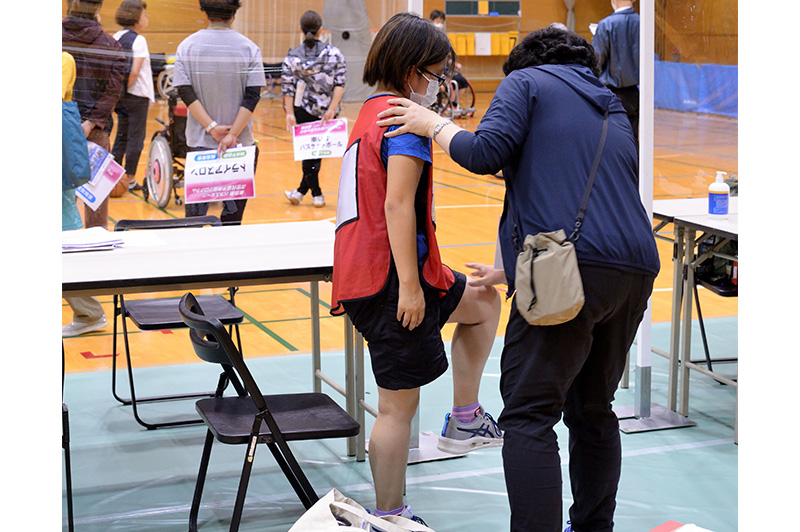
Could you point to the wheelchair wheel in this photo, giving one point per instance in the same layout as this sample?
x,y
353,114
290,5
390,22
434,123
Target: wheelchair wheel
x,y
159,170
165,83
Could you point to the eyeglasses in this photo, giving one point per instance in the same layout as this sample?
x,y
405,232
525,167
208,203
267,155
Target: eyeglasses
x,y
440,79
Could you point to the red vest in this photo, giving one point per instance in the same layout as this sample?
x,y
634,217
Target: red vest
x,y
362,254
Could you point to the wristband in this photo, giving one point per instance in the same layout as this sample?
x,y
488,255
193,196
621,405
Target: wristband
x,y
438,128
211,126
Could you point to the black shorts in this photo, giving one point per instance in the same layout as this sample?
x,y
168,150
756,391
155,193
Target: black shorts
x,y
403,359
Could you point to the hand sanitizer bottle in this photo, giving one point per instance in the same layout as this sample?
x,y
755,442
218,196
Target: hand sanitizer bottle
x,y
718,195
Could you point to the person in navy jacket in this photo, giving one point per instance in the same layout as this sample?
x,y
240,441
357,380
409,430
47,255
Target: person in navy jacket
x,y
542,129
616,41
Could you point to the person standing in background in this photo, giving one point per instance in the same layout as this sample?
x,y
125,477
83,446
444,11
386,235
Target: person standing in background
x,y
100,67
616,41
219,75
312,82
137,93
99,70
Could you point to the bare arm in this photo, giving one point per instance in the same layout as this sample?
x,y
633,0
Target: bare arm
x,y
136,67
403,178
199,113
231,138
288,108
336,99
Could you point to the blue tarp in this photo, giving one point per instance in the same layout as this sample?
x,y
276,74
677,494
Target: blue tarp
x,y
690,87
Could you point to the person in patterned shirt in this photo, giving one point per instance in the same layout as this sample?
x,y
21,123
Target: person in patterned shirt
x,y
312,80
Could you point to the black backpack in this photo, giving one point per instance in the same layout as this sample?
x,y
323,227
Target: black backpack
x,y
126,40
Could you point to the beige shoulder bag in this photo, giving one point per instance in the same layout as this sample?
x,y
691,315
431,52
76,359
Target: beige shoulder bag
x,y
548,285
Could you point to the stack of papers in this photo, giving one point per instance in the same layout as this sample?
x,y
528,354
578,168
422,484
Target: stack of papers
x,y
92,239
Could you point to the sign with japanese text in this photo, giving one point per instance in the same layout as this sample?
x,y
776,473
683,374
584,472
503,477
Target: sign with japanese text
x,y
105,174
315,140
208,177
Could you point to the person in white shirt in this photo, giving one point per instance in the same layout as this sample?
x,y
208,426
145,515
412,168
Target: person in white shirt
x,y
138,92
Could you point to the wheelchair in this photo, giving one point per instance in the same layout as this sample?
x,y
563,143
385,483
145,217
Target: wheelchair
x,y
167,156
448,102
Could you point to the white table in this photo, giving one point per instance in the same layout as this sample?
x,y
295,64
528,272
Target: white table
x,y
688,217
187,259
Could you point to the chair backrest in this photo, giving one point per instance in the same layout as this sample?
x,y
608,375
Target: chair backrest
x,y
169,223
213,343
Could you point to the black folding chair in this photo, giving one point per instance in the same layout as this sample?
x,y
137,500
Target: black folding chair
x,y
161,314
717,283
252,418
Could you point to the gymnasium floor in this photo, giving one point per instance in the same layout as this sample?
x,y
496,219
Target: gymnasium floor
x,y
128,478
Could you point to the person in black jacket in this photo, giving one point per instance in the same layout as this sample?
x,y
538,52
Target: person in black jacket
x,y
542,129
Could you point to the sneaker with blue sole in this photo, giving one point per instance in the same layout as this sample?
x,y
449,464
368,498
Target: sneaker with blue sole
x,y
408,513
459,438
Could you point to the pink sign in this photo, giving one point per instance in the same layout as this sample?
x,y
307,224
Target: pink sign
x,y
315,140
208,177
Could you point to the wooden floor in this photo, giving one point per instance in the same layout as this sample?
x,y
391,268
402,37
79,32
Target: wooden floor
x,y
689,149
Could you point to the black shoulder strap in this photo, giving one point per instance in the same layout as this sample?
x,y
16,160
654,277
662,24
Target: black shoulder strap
x,y
595,165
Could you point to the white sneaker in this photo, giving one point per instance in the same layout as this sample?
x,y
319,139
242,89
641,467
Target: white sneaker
x,y
77,328
318,201
293,196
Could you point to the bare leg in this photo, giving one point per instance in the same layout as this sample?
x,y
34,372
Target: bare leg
x,y
477,316
389,443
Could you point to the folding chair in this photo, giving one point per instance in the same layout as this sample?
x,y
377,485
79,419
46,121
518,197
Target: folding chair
x,y
161,314
252,418
708,275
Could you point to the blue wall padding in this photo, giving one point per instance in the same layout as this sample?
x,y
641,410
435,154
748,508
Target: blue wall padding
x,y
694,88
719,90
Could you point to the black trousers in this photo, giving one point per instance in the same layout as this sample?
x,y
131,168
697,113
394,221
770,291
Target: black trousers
x,y
571,369
311,167
630,101
131,130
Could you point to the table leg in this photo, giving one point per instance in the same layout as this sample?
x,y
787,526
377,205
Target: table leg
x,y
350,380
316,351
677,299
686,325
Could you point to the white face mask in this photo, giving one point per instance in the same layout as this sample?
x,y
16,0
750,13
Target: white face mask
x,y
439,25
429,98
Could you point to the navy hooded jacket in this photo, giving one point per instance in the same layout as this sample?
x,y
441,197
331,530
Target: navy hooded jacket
x,y
542,130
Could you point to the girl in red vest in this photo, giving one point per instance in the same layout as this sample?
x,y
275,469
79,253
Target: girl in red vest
x,y
388,275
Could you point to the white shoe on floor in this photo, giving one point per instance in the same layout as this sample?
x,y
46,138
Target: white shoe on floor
x,y
293,196
77,328
318,201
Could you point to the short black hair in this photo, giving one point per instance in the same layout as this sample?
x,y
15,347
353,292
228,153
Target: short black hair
x,y
437,14
552,46
129,12
220,9
404,42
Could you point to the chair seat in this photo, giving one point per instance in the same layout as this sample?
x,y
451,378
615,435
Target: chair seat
x,y
721,286
152,314
300,416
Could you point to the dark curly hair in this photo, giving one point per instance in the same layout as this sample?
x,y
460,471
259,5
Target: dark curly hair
x,y
552,46
220,9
